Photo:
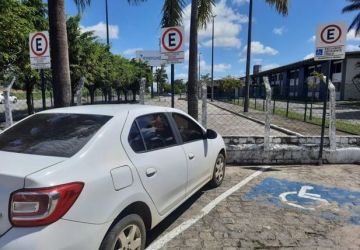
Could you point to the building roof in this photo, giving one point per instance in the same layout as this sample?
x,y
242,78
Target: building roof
x,y
298,64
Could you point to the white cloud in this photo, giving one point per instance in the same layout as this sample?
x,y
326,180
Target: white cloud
x,y
227,26
309,56
279,31
100,30
352,47
224,42
181,76
312,39
257,48
131,51
351,36
206,68
240,2
270,66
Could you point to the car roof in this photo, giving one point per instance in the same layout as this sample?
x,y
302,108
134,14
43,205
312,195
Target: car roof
x,y
109,109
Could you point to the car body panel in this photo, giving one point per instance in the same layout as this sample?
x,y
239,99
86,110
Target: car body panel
x,y
100,202
168,185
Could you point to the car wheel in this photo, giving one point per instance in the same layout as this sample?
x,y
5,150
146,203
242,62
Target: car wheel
x,y
219,171
127,233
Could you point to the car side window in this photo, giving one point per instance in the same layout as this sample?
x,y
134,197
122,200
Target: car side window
x,y
156,131
188,129
135,140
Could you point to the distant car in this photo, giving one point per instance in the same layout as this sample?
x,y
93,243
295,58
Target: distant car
x,y
100,176
12,98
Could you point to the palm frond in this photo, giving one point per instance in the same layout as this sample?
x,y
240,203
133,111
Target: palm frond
x,y
205,11
135,2
356,24
282,6
81,4
172,12
351,7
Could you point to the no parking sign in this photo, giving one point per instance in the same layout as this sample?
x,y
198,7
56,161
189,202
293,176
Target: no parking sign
x,y
172,43
39,47
330,41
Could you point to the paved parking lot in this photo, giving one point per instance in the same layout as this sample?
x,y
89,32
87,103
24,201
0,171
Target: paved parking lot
x,y
307,207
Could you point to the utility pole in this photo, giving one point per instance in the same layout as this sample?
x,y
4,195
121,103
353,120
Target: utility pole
x,y
248,58
107,23
212,60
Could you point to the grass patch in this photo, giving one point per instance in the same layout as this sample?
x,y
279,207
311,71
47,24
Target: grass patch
x,y
340,125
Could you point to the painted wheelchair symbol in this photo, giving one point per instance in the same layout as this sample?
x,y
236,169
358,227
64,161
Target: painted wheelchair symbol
x,y
303,194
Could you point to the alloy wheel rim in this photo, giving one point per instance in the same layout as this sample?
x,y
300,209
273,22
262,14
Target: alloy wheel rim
x,y
129,238
219,172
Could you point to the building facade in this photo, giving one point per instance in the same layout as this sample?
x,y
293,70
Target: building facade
x,y
290,81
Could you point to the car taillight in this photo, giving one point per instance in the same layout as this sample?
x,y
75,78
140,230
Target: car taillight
x,y
42,206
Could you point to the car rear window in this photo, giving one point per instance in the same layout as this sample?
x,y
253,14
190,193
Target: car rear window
x,y
54,134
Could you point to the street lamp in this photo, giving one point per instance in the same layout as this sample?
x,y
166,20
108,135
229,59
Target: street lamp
x,y
248,57
212,60
199,65
107,23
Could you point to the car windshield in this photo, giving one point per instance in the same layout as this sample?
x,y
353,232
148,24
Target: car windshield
x,y
61,135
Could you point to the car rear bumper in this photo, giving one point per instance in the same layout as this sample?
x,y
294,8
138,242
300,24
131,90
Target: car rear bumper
x,y
62,234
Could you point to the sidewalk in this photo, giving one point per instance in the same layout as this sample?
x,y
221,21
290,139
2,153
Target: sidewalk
x,y
296,126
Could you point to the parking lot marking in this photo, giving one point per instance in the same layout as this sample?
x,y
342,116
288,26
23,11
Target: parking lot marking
x,y
158,244
302,194
333,203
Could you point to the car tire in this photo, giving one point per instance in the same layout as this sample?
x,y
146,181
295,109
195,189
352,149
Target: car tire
x,y
127,233
219,171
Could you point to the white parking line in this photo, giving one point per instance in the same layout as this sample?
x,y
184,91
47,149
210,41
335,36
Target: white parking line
x,y
159,243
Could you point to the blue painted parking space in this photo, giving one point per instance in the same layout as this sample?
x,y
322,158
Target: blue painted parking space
x,y
328,202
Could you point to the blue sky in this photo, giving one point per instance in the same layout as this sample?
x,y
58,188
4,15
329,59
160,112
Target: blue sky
x,y
277,40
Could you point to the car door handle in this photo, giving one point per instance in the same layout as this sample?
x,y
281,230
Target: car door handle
x,y
191,156
150,172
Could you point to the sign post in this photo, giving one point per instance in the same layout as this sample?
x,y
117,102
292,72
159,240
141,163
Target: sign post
x,y
39,47
330,45
172,51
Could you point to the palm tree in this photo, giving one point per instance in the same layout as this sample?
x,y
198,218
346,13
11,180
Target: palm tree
x,y
354,6
59,49
160,78
201,11
281,7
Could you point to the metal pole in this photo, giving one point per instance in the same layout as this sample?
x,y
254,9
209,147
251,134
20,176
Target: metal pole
x,y
107,23
199,65
172,85
248,58
43,88
212,60
324,115
152,83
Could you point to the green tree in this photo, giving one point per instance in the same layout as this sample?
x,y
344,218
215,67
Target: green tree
x,y
160,78
352,7
17,20
59,49
282,7
201,11
230,83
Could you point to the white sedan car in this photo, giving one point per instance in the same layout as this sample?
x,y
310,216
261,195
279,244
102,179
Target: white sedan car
x,y
99,177
12,98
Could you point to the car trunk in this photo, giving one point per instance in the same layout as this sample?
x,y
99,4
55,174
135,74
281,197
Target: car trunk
x,y
14,168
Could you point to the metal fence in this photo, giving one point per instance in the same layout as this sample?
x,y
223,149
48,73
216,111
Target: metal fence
x,y
285,118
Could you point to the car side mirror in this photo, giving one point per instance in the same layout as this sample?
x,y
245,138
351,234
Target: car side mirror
x,y
210,134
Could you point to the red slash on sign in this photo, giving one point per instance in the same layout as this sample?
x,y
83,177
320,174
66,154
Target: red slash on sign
x,y
331,34
39,44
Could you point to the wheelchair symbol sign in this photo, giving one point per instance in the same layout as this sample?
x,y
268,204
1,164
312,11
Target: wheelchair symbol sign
x,y
304,195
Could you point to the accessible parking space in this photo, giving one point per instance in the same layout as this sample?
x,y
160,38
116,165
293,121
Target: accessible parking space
x,y
307,207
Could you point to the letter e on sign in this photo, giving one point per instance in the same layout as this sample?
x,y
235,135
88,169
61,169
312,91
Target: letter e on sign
x,y
172,39
331,35
39,48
